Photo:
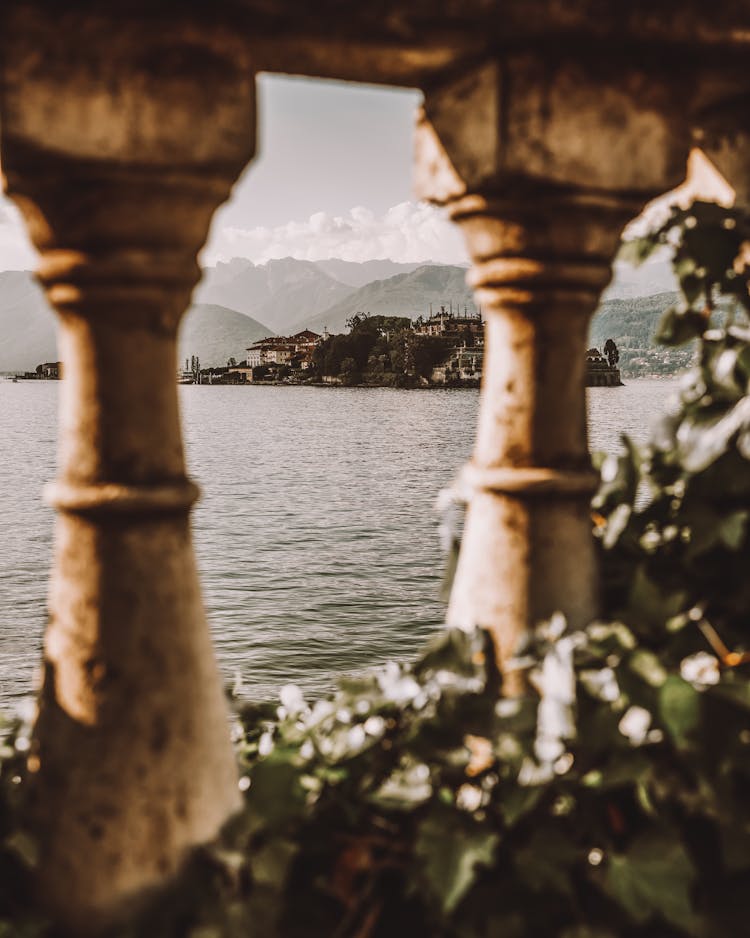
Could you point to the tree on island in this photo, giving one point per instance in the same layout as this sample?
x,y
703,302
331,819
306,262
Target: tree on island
x,y
349,372
612,352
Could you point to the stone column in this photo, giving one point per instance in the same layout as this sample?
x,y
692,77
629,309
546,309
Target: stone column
x,y
118,149
541,163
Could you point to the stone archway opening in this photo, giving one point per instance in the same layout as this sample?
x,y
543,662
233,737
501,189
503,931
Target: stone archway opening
x,y
122,133
316,532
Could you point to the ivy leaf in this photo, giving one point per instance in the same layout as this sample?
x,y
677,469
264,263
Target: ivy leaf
x,y
450,850
626,769
654,878
276,796
616,524
648,667
407,787
637,250
679,705
713,245
519,801
691,283
677,326
650,604
545,862
703,523
702,440
737,692
732,529
457,651
272,862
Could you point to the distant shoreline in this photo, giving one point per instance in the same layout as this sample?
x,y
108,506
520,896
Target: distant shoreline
x,y
13,376
327,384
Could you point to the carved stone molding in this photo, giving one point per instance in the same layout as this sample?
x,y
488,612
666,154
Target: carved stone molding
x,y
540,264
541,161
118,151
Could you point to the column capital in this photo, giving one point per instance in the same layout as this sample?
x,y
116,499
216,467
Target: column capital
x,y
528,248
119,149
525,123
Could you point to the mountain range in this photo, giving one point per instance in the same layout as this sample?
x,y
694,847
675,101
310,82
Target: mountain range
x,y
630,321
215,334
408,294
283,294
239,302
28,328
359,274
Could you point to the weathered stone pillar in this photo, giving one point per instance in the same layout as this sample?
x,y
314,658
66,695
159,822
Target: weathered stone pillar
x,y
118,148
541,163
540,264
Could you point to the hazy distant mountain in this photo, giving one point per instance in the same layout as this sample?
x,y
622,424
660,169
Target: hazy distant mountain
x,y
27,328
630,322
215,334
358,274
298,290
27,324
280,293
408,294
237,284
289,295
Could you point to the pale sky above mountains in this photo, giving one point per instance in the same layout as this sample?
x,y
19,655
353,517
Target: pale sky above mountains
x,y
332,178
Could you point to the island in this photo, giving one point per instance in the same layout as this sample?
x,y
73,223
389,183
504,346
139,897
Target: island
x,y
442,350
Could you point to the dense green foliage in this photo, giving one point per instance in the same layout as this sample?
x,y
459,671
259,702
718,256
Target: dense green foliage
x,y
609,802
632,322
380,350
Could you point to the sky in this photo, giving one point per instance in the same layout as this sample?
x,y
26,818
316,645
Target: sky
x,y
331,178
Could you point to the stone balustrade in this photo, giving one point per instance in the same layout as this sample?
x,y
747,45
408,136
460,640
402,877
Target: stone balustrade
x,y
546,127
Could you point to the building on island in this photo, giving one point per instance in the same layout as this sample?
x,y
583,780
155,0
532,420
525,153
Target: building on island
x,y
272,351
601,369
294,351
240,373
463,365
464,337
50,370
306,341
447,324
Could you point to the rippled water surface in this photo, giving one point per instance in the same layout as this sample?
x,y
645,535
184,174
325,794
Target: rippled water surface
x,y
316,534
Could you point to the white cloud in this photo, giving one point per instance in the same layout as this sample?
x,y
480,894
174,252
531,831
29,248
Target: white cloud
x,y
407,232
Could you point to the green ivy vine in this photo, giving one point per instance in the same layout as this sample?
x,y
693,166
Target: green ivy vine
x,y
609,803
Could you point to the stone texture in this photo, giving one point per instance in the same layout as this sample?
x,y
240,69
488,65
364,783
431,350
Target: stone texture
x,y
547,125
118,146
541,160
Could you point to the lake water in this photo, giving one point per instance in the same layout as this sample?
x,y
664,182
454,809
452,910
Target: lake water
x,y
316,534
